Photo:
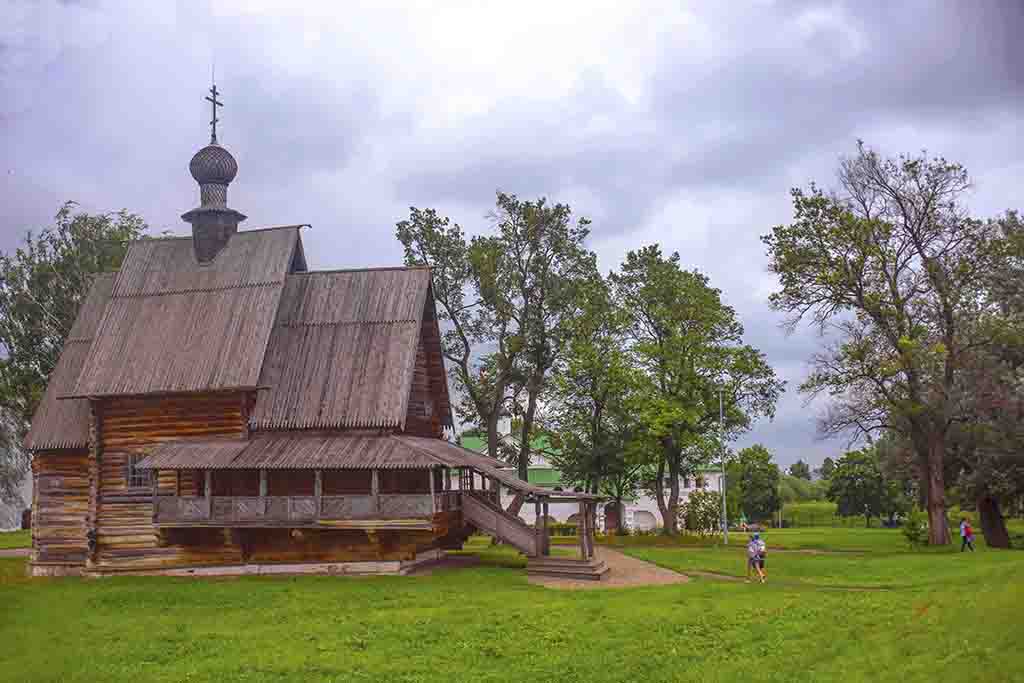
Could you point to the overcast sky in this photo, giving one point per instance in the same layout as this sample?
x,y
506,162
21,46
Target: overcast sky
x,y
685,126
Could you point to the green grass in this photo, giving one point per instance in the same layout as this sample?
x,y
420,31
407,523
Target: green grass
x,y
15,539
939,616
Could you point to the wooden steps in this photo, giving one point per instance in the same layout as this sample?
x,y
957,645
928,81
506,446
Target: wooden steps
x,y
593,569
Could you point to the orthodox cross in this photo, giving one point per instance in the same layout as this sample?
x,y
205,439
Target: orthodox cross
x,y
214,103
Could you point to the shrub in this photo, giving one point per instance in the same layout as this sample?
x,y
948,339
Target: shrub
x,y
915,527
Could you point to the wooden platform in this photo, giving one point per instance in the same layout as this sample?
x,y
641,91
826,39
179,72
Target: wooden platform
x,y
594,569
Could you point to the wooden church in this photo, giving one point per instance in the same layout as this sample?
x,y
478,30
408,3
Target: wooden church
x,y
220,408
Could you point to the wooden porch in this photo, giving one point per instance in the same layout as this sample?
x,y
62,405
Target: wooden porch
x,y
396,510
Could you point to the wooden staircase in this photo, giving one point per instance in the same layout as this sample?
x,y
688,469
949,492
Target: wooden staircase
x,y
489,518
593,569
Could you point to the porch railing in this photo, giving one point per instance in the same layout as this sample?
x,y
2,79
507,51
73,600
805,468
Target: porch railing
x,y
226,510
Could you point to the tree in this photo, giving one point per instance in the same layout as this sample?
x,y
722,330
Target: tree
x,y
687,347
858,487
828,466
42,285
893,268
508,294
753,482
589,411
702,511
800,470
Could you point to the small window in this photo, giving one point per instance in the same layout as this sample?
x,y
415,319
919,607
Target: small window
x,y
138,479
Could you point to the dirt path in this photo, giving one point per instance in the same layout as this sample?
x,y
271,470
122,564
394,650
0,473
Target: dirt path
x,y
15,552
625,571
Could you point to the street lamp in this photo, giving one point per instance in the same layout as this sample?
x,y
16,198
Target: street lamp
x,y
721,477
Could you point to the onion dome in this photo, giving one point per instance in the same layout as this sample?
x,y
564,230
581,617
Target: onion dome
x,y
213,165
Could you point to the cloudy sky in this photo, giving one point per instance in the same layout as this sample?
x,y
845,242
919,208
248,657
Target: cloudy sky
x,y
672,123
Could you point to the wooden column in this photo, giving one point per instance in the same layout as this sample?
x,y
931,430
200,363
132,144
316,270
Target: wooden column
x,y
538,529
433,495
263,483
582,530
547,539
447,479
375,490
208,483
318,489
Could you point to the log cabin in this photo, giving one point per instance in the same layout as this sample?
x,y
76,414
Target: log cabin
x,y
220,408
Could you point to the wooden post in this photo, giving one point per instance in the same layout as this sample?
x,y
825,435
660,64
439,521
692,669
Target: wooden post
x,y
208,483
433,496
547,539
447,479
318,490
263,483
582,530
375,490
539,529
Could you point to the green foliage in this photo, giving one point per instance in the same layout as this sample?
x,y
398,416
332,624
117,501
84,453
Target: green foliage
x,y
828,466
42,285
798,490
896,270
752,484
515,292
702,512
800,470
687,346
858,487
915,527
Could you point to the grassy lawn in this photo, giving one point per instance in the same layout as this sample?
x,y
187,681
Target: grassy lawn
x,y
940,616
15,539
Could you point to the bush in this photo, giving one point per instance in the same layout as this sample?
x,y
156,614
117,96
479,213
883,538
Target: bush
x,y
915,527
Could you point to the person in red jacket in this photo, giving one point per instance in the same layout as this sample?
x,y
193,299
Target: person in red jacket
x,y
966,535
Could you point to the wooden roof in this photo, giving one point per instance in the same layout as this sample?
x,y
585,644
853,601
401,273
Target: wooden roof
x,y
291,451
335,451
343,349
176,325
64,424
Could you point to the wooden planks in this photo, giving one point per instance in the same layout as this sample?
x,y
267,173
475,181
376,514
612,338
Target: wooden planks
x,y
125,535
60,504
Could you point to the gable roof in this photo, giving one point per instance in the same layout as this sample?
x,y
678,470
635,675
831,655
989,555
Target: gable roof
x,y
343,349
61,424
176,325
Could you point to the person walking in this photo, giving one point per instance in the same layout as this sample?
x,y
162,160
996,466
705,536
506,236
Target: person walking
x,y
756,549
966,535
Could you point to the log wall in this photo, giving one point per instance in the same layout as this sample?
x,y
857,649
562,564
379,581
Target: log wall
x,y
125,535
60,504
427,401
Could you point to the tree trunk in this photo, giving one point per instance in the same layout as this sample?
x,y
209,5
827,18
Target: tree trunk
x,y
659,492
938,525
672,521
524,435
992,523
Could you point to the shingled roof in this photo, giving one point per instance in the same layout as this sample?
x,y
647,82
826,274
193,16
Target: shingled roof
x,y
59,424
343,349
177,325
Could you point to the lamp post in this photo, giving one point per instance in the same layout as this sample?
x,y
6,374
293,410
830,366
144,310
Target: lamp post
x,y
721,477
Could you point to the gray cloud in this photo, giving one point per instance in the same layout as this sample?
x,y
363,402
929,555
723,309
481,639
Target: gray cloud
x,y
680,126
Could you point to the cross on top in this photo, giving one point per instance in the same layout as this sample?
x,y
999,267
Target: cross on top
x,y
214,103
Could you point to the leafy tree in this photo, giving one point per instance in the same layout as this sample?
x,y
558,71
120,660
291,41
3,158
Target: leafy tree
x,y
589,413
752,483
893,267
511,292
42,285
858,487
702,511
687,346
828,466
800,470
799,490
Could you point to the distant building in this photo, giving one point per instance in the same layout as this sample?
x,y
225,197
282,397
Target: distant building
x,y
641,514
